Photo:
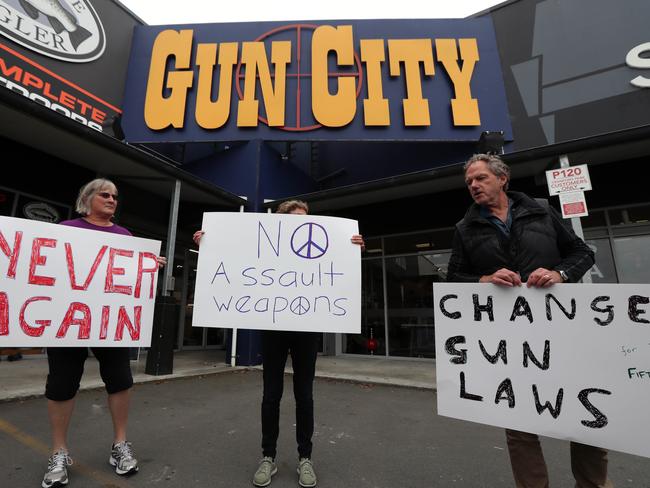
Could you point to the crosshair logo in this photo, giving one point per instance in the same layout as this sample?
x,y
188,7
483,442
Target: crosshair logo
x,y
309,241
298,82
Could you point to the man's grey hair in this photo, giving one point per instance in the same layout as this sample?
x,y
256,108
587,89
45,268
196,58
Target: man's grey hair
x,y
494,163
89,190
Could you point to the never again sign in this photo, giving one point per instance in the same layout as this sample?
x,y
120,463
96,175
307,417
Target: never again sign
x,y
571,361
64,286
278,272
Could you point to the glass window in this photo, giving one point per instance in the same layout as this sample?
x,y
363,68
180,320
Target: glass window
x,y
639,215
410,303
603,271
372,339
630,215
6,202
215,337
420,242
373,247
192,336
633,259
594,219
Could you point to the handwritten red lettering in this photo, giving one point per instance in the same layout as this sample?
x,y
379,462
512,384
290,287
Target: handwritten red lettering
x,y
109,286
103,328
11,254
30,330
124,320
141,270
38,260
4,314
83,322
71,269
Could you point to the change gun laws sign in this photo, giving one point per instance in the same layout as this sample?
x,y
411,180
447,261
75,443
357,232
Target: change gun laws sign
x,y
571,361
278,272
65,286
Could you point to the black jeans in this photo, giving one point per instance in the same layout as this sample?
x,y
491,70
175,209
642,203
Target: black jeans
x,y
275,347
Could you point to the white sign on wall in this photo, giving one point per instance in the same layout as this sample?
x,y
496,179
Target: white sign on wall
x,y
573,204
571,361
278,272
569,179
65,286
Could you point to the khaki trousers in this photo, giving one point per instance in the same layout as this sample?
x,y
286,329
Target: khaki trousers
x,y
588,463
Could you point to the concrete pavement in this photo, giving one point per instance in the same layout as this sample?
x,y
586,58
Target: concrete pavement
x,y
26,378
204,432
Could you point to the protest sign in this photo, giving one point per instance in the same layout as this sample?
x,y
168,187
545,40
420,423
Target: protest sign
x,y
278,272
570,361
65,286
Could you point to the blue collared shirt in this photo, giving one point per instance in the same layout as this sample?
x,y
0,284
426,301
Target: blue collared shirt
x,y
504,227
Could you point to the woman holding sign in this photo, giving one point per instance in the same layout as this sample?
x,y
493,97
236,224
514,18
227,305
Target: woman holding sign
x,y
97,203
276,346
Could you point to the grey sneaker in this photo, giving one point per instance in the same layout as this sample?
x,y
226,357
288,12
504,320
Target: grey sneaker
x,y
265,471
57,470
307,474
123,458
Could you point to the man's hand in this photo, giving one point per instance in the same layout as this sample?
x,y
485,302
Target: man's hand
x,y
503,277
543,278
161,260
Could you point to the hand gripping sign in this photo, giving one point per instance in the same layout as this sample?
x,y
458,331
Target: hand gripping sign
x,y
278,272
65,286
571,361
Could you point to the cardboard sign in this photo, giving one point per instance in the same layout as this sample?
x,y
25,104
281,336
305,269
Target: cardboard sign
x,y
570,179
65,286
278,272
571,361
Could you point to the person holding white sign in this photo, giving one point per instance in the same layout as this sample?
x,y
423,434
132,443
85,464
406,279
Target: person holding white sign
x,y
508,239
97,203
276,346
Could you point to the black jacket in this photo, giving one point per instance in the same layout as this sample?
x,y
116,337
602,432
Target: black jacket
x,y
539,238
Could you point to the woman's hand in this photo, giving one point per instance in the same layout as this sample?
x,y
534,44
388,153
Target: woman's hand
x,y
358,240
197,237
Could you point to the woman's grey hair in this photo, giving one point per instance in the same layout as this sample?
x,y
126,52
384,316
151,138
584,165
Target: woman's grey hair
x,y
290,205
88,191
494,163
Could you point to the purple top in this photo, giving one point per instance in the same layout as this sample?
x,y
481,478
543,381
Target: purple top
x,y
84,224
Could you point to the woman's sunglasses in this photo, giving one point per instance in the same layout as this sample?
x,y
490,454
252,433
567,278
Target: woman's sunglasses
x,y
107,195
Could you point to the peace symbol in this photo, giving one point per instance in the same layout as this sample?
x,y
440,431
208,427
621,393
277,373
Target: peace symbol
x,y
309,241
300,305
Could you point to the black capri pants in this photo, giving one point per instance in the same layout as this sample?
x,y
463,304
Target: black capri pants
x,y
67,366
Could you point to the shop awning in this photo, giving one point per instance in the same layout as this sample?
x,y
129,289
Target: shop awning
x,y
34,125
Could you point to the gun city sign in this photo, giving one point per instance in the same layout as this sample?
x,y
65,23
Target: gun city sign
x,y
417,79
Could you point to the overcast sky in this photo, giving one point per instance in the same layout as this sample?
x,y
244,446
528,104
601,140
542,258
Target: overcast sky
x,y
157,12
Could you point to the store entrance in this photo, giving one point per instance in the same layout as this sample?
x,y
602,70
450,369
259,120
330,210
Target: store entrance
x,y
193,337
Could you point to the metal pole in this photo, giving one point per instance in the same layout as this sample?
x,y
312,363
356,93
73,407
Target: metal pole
x,y
233,346
575,221
171,239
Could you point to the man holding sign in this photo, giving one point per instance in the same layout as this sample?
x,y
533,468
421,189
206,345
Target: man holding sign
x,y
507,239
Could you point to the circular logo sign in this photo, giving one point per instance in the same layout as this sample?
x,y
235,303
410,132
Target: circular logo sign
x,y
41,211
69,30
